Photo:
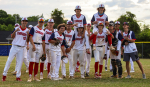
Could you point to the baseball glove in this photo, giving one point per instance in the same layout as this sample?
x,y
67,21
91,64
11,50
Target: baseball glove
x,y
113,52
57,42
63,57
43,57
105,56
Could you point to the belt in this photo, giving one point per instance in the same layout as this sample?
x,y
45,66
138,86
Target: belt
x,y
38,43
47,43
100,46
19,46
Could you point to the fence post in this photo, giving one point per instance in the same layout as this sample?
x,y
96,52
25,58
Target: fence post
x,y
142,50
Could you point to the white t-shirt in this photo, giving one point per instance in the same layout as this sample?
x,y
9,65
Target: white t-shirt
x,y
131,47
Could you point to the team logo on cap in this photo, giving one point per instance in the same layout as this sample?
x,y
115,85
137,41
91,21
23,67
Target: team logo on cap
x,y
25,19
100,24
41,19
70,22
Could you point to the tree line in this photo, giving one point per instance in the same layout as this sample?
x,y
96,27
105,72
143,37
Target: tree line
x,y
142,32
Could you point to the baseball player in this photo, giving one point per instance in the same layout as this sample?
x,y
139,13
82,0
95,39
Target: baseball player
x,y
79,49
115,55
48,33
101,16
78,18
130,49
88,55
70,41
37,48
20,35
56,51
100,48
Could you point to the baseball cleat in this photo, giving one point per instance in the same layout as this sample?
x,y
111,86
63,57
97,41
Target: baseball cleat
x,y
77,70
87,75
41,76
4,78
82,77
30,79
111,70
18,79
27,71
120,77
128,77
105,68
49,77
63,76
36,79
113,76
71,77
96,76
132,71
144,76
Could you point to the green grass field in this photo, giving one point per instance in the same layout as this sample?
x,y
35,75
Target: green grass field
x,y
106,81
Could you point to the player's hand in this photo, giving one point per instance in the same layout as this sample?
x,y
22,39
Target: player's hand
x,y
121,52
87,51
126,38
27,47
34,48
88,35
107,23
96,33
68,50
76,24
65,55
108,32
17,30
95,22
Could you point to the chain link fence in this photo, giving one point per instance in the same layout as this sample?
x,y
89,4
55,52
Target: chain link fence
x,y
143,49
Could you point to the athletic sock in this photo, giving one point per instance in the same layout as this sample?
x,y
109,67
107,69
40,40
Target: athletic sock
x,y
41,67
96,67
31,68
100,69
48,67
36,69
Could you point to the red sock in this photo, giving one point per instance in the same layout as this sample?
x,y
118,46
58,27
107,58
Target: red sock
x,y
109,39
100,69
36,69
78,64
31,68
41,67
96,67
48,67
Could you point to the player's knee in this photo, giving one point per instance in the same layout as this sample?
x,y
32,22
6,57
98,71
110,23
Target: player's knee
x,y
119,64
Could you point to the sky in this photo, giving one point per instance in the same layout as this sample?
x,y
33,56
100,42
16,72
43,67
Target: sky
x,y
114,8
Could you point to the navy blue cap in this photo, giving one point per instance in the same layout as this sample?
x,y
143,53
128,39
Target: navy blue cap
x,y
125,23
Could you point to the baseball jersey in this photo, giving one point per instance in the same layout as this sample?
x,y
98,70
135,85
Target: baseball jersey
x,y
131,47
20,37
79,20
47,35
80,42
69,37
37,34
97,17
61,38
100,39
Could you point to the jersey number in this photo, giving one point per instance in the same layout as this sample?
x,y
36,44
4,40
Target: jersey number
x,y
24,38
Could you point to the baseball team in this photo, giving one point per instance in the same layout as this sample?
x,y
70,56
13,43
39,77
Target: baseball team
x,y
74,46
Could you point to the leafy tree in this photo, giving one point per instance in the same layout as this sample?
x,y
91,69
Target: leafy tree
x,y
131,19
34,18
58,17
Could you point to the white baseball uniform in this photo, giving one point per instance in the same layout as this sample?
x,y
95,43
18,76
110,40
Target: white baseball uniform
x,y
18,44
69,37
88,57
100,48
56,54
79,51
37,35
